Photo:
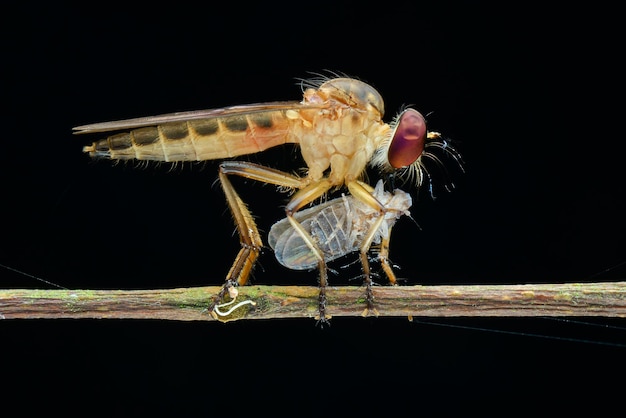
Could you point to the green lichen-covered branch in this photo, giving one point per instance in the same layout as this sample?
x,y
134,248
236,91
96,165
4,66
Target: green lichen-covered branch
x,y
268,302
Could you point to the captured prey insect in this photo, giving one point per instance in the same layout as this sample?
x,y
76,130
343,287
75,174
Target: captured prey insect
x,y
338,227
339,129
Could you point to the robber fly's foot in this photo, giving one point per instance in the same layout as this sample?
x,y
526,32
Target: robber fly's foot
x,y
370,312
322,317
228,287
370,309
217,311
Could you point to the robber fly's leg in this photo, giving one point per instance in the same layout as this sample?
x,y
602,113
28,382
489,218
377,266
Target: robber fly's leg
x,y
383,257
249,237
363,192
250,240
299,200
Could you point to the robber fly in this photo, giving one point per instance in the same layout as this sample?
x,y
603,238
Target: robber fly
x,y
339,227
339,129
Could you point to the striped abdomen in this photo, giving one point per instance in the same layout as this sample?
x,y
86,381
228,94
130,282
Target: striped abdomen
x,y
199,139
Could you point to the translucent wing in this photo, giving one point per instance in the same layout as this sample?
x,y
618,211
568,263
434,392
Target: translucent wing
x,y
192,115
200,135
327,222
338,226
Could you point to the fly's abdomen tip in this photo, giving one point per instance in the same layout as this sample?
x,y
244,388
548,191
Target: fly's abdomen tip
x,y
97,150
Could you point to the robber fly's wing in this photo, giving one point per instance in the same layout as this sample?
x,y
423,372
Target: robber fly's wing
x,y
202,134
191,115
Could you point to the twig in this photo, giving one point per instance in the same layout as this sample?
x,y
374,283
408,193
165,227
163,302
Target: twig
x,y
189,304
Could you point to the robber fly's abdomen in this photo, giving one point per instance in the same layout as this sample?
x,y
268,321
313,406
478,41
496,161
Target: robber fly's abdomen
x,y
199,139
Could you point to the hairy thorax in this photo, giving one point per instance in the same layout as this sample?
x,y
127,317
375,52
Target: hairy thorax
x,y
340,138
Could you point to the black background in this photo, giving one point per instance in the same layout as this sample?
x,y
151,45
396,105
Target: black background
x,y
532,97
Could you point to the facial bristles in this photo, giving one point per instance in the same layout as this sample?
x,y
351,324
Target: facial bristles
x,y
432,153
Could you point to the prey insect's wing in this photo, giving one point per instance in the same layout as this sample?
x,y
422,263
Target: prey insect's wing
x,y
327,222
339,227
191,115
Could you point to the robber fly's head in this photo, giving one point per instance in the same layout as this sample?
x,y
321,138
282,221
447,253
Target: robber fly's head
x,y
408,145
353,93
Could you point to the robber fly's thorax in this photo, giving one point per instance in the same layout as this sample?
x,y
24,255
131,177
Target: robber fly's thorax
x,y
344,133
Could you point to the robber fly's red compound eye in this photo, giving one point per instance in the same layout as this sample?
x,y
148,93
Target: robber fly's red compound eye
x,y
407,142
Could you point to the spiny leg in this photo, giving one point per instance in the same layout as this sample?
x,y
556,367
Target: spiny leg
x,y
363,192
299,200
383,257
249,236
363,254
250,239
